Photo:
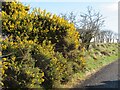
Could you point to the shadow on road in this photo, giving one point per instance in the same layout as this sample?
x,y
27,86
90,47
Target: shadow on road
x,y
106,84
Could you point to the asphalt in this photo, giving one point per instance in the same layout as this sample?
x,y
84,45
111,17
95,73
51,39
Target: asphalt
x,y
108,77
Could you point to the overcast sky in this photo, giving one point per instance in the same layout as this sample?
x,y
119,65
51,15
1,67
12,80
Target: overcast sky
x,y
108,8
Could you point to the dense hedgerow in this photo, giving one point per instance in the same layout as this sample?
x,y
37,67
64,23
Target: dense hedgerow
x,y
41,50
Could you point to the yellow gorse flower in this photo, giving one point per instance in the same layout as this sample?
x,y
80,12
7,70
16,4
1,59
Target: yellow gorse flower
x,y
4,59
5,67
12,26
13,58
2,71
0,62
4,47
30,42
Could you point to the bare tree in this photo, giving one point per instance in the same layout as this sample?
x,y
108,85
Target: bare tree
x,y
109,36
71,17
64,16
115,37
101,37
90,25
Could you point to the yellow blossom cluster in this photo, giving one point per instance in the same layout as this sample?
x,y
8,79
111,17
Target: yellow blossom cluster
x,y
37,47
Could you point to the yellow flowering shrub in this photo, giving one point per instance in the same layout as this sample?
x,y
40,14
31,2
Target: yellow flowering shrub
x,y
41,49
39,23
18,66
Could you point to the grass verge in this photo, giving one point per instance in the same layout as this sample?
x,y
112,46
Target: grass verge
x,y
95,60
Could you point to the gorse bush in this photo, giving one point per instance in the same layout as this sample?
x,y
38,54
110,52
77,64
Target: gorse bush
x,y
39,24
18,65
41,50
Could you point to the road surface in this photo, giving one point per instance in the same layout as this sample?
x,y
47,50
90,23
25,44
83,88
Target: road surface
x,y
107,77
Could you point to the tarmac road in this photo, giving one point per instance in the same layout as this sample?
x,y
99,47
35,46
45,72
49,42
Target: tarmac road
x,y
107,77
